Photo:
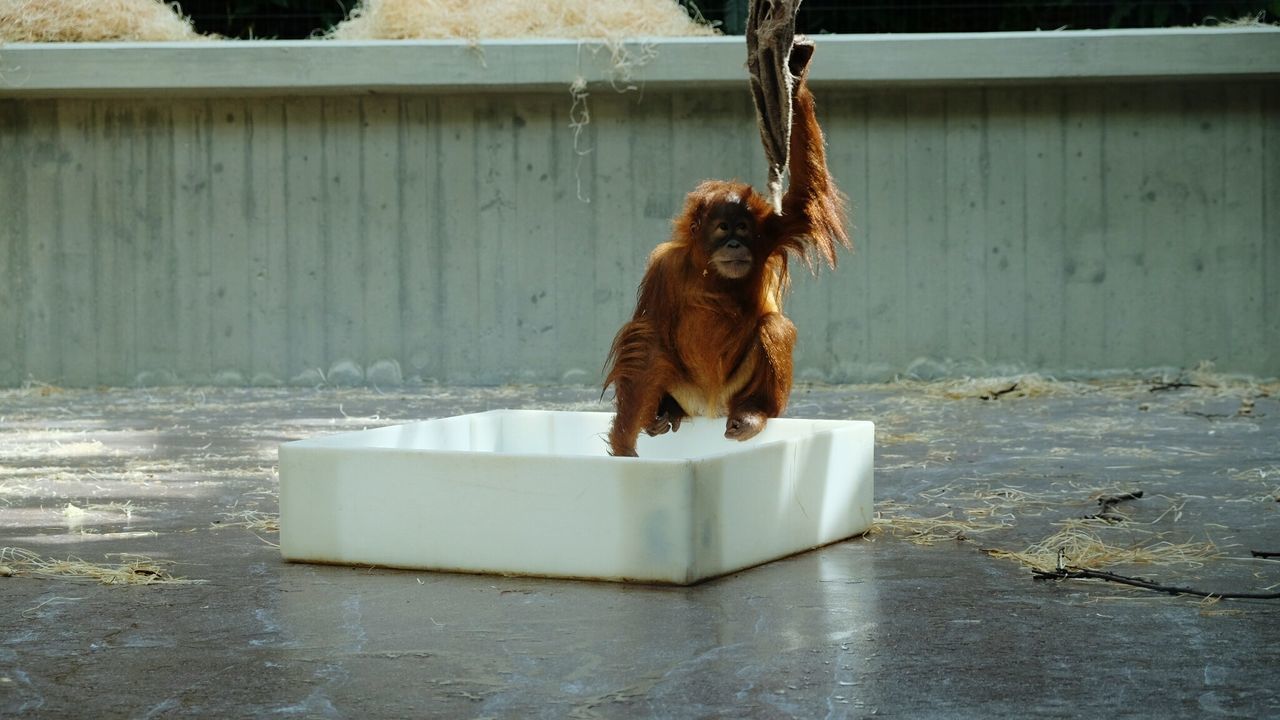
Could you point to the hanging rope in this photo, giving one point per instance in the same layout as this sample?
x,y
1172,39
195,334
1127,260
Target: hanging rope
x,y
771,27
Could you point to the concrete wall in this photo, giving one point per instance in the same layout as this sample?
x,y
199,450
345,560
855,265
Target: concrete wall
x,y
199,233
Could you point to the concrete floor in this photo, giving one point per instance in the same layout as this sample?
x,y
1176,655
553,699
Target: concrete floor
x,y
875,626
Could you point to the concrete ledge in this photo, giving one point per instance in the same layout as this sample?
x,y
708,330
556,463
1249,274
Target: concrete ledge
x,y
326,67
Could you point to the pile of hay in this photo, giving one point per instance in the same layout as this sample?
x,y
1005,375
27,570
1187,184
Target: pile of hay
x,y
92,21
476,19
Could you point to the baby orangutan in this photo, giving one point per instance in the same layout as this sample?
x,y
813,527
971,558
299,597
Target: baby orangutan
x,y
708,336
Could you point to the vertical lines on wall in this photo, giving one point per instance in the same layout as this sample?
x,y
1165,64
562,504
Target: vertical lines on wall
x,y
42,317
1087,198
239,240
459,183
538,191
575,174
924,293
964,171
421,239
1244,192
268,241
845,341
344,272
1044,215
192,238
155,298
378,236
304,183
1270,202
886,223
230,248
1198,142
1163,191
117,180
617,211
13,210
1004,147
76,344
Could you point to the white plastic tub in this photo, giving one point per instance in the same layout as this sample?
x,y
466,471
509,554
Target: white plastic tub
x,y
534,493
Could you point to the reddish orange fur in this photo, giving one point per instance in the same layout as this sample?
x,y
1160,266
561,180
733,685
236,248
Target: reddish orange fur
x,y
697,338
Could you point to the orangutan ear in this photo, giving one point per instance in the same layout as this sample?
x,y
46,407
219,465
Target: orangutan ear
x,y
697,212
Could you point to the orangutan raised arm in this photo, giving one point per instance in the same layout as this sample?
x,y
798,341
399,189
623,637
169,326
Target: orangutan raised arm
x,y
708,336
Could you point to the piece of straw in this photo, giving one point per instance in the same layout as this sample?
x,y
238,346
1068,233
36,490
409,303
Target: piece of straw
x,y
252,520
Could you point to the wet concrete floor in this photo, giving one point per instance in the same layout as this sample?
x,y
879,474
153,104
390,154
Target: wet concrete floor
x,y
895,624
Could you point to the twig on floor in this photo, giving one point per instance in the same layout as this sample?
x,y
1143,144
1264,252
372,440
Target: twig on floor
x,y
994,394
1109,500
1108,503
1175,385
1206,416
1079,573
1264,553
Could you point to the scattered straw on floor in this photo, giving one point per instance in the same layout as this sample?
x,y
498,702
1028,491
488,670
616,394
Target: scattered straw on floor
x,y
76,514
993,388
966,510
131,570
1080,545
947,526
988,498
92,21
1204,382
1082,542
477,19
1201,381
252,520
